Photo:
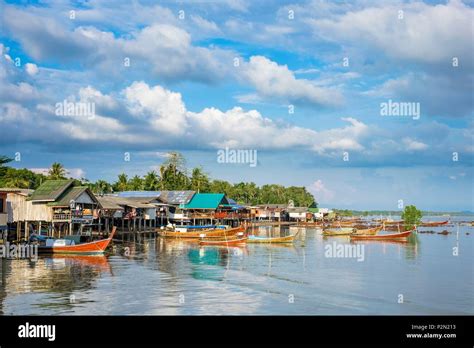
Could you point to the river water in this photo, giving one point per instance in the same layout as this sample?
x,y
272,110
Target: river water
x,y
426,275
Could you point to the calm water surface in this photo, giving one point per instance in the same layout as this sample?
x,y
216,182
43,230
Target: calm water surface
x,y
180,277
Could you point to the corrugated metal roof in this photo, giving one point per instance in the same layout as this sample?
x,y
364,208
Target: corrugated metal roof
x,y
205,201
169,197
112,202
109,202
50,190
151,194
176,197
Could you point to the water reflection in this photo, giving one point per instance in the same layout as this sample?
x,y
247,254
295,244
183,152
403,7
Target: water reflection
x,y
148,276
58,276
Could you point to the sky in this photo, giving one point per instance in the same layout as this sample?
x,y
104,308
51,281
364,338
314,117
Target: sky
x,y
365,103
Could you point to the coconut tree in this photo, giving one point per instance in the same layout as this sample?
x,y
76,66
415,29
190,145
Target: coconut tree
x,y
57,171
122,183
151,181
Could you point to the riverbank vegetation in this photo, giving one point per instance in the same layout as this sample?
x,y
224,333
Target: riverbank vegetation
x,y
172,175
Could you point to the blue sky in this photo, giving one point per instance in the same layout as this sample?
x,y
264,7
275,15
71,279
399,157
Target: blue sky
x,y
332,62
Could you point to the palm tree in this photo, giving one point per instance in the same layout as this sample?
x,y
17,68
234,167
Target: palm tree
x,y
57,171
102,186
199,180
136,183
151,181
4,160
122,183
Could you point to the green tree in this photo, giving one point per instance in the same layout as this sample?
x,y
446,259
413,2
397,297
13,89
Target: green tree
x,y
4,160
221,186
101,187
173,173
151,182
122,183
16,182
199,181
136,183
57,171
411,216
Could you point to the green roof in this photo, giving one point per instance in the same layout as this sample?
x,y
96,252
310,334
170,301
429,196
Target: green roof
x,y
205,201
69,195
50,190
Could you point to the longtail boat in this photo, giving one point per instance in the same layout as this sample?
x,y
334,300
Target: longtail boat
x,y
342,231
336,224
368,231
434,223
391,236
258,239
393,222
309,224
224,241
199,234
60,246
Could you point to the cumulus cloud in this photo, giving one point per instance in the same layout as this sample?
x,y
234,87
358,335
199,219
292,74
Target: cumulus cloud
x,y
321,192
414,145
31,69
272,80
413,37
162,109
48,39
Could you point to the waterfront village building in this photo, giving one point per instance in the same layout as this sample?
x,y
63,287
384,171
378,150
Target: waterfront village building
x,y
56,208
271,212
59,208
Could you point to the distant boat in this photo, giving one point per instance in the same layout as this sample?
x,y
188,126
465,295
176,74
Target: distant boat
x,y
201,233
270,240
391,236
434,223
233,240
342,231
66,246
368,231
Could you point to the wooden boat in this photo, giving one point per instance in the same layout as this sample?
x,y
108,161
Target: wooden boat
x,y
198,234
391,236
258,239
309,224
434,223
368,231
336,224
91,248
393,222
343,231
224,241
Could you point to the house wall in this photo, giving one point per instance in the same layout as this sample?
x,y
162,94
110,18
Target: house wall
x,y
150,213
298,215
19,209
84,198
3,211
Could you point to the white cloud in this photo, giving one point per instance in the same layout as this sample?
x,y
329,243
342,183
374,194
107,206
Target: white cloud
x,y
413,145
205,25
163,109
75,173
320,191
412,38
272,80
31,69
